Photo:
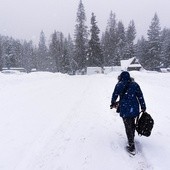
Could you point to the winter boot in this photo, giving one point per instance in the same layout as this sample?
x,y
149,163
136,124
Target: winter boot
x,y
131,149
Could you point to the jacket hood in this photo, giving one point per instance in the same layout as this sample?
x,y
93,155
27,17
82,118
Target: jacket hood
x,y
124,76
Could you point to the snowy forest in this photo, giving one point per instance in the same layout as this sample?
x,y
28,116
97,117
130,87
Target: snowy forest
x,y
89,47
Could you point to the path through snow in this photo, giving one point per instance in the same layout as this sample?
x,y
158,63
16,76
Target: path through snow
x,y
59,122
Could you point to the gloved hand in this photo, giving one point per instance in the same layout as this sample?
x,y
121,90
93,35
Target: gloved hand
x,y
114,105
111,106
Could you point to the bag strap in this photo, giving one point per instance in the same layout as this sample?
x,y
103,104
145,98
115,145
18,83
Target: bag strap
x,y
137,118
125,90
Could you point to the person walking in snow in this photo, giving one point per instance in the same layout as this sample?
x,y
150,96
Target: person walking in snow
x,y
131,97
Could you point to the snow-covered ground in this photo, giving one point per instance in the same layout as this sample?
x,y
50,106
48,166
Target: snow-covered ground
x,y
59,122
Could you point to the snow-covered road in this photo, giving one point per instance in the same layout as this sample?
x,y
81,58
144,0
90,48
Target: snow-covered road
x,y
60,122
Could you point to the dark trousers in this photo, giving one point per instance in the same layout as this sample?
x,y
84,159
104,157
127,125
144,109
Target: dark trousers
x,y
130,129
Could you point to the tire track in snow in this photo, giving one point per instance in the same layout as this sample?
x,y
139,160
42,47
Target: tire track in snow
x,y
52,143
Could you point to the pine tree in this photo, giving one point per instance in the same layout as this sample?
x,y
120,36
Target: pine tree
x,y
81,39
1,53
105,45
17,51
130,37
112,40
154,43
70,49
165,48
95,57
42,53
121,42
141,52
67,59
56,51
29,61
8,53
12,52
53,51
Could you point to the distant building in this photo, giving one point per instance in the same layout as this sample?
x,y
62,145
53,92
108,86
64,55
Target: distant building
x,y
131,64
162,69
104,70
12,70
94,70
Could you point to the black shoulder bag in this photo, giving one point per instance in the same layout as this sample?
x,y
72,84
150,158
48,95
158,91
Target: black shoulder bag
x,y
144,124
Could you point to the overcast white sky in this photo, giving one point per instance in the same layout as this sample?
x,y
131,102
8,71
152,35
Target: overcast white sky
x,y
24,19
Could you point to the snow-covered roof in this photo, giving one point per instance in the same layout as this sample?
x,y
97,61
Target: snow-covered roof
x,y
129,63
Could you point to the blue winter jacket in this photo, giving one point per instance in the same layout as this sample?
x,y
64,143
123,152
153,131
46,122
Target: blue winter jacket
x,y
129,103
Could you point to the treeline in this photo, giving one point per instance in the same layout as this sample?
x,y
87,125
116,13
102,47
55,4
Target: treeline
x,y
57,57
88,48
